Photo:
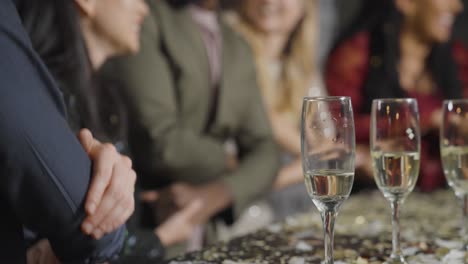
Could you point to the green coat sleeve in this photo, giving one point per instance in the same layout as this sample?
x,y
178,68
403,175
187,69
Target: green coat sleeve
x,y
258,152
167,145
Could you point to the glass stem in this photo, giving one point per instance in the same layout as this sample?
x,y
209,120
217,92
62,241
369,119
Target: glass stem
x,y
396,248
464,223
328,218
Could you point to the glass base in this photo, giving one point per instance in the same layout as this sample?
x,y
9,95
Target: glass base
x,y
396,260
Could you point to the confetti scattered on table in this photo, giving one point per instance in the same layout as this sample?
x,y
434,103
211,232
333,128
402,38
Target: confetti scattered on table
x,y
429,230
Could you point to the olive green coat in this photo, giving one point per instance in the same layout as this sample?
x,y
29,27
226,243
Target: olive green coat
x,y
168,86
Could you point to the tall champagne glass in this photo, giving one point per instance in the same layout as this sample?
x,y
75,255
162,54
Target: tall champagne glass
x,y
395,149
328,153
454,152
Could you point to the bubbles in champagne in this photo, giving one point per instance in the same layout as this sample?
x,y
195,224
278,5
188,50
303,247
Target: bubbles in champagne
x,y
328,188
455,163
396,173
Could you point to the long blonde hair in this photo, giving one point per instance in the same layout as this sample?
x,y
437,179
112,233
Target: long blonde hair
x,y
297,59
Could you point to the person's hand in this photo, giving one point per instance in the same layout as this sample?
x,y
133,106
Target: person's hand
x,y
286,132
436,119
110,199
289,175
161,203
41,253
180,226
458,123
149,196
230,154
231,162
364,161
215,196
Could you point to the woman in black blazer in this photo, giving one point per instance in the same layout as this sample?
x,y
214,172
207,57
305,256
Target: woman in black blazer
x,y
45,173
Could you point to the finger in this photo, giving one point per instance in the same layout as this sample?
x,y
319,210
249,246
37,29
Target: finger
x,y
111,221
124,209
46,254
113,195
44,257
104,161
86,139
109,203
32,255
190,212
127,161
182,194
149,196
117,217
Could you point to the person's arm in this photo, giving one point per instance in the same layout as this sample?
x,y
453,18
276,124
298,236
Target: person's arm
x,y
45,172
151,91
256,171
257,150
110,199
286,133
257,153
289,175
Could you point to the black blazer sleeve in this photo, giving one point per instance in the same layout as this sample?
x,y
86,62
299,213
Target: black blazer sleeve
x,y
44,172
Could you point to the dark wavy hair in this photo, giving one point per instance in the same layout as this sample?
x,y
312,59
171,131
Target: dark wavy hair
x,y
383,21
53,26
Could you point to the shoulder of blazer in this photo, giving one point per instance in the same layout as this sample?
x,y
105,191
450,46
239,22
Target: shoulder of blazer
x,y
179,36
234,41
10,24
12,28
237,53
165,16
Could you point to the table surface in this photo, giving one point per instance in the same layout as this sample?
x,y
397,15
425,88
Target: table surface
x,y
429,230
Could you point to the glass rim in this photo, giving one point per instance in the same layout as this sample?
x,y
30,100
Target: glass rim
x,y
326,98
456,101
394,100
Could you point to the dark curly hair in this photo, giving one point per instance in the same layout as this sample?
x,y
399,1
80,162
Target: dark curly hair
x,y
383,21
54,30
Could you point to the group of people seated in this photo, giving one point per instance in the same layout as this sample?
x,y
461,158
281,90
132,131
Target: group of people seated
x,y
174,117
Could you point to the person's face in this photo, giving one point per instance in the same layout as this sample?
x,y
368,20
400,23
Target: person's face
x,y
119,22
433,19
274,16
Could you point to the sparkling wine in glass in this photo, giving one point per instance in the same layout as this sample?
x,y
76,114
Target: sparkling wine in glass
x,y
395,149
454,152
328,153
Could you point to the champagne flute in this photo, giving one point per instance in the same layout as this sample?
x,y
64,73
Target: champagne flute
x,y
328,153
395,149
454,152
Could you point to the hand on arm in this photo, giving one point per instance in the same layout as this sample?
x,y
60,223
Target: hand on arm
x,y
436,119
286,133
105,158
289,175
110,200
179,226
213,196
364,163
41,253
48,173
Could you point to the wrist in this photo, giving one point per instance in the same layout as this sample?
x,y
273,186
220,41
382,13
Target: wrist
x,y
163,236
219,196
